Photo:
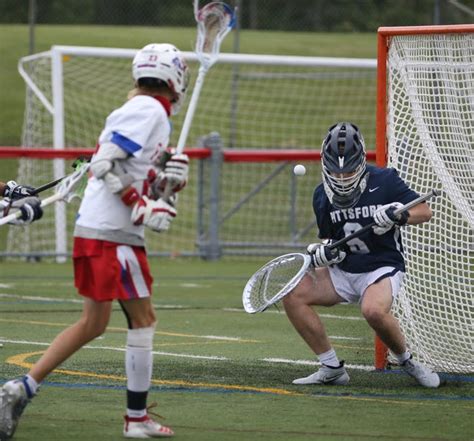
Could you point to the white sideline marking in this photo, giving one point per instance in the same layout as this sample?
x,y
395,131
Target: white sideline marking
x,y
315,363
111,348
5,285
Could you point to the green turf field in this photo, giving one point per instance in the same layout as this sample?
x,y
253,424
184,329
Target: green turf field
x,y
220,374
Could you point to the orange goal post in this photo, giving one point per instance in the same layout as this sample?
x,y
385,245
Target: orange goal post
x,y
425,129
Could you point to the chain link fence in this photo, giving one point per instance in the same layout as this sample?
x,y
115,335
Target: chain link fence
x,y
295,15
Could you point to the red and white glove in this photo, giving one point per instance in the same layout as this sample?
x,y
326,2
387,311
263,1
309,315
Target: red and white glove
x,y
156,215
176,171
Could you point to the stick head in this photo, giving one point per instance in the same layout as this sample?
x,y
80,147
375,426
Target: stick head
x,y
214,21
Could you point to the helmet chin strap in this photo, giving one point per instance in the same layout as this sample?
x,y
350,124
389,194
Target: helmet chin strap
x,y
343,202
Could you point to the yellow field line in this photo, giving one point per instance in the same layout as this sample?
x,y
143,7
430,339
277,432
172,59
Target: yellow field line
x,y
20,360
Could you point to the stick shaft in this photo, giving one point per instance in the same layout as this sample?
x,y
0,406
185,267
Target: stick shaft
x,y
406,207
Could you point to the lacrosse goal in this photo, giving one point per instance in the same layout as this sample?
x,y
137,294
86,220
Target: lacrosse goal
x,y
425,129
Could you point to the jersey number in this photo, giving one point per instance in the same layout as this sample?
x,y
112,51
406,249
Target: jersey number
x,y
356,245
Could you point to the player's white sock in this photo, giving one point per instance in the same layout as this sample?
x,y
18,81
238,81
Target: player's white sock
x,y
31,385
138,366
401,358
329,358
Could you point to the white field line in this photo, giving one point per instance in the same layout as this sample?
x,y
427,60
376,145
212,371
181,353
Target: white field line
x,y
331,316
201,357
68,300
165,306
315,363
112,348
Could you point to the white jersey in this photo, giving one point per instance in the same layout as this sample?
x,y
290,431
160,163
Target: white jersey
x,y
142,129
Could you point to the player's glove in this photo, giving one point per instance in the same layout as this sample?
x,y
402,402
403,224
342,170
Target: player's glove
x,y
386,219
175,171
322,256
30,208
156,215
15,191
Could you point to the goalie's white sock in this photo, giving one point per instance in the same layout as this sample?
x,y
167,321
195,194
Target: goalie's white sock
x,y
329,358
138,366
401,358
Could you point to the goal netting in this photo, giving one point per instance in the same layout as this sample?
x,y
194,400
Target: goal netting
x,y
430,138
253,102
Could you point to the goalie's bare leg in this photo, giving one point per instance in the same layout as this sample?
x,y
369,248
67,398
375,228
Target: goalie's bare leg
x,y
316,288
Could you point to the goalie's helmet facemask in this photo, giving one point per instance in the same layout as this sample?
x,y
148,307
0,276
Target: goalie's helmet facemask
x,y
344,165
165,63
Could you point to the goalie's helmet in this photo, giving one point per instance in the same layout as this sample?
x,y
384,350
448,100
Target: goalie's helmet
x,y
166,63
343,160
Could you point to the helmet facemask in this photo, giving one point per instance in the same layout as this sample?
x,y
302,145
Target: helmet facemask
x,y
344,165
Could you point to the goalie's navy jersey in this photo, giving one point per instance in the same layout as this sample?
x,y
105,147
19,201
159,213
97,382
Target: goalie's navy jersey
x,y
369,251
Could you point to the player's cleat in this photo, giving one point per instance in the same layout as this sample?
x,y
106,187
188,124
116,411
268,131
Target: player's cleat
x,y
145,427
326,375
421,373
13,400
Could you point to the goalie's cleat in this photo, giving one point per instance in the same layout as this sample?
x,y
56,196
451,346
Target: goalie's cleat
x,y
421,373
326,375
145,427
13,400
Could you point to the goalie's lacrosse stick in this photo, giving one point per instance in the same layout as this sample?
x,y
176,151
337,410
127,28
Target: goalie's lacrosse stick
x,y
214,22
69,187
280,276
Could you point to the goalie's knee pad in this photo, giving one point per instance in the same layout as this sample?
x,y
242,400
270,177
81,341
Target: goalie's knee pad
x,y
141,337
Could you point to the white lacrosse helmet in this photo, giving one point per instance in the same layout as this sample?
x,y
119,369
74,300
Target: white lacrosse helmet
x,y
166,63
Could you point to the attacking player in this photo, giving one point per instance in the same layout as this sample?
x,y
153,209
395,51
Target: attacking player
x,y
110,263
370,269
19,197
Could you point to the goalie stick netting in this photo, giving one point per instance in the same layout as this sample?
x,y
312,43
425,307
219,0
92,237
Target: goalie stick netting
x,y
430,135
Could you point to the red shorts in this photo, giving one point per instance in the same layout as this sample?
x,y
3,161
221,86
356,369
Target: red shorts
x,y
106,270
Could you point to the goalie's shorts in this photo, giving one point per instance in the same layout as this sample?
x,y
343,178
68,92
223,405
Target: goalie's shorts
x,y
106,270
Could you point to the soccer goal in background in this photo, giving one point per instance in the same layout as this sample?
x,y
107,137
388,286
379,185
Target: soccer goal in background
x,y
425,129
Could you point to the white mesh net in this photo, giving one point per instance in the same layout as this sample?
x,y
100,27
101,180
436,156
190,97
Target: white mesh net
x,y
431,142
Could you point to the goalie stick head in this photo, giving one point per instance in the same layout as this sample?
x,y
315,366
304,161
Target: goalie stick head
x,y
163,62
343,159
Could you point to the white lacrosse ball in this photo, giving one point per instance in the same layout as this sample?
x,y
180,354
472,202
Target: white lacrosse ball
x,y
299,170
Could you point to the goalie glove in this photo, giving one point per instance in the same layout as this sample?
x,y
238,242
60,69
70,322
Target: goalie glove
x,y
386,219
322,256
29,206
14,191
156,215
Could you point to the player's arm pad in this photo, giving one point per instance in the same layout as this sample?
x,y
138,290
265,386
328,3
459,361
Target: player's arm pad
x,y
106,166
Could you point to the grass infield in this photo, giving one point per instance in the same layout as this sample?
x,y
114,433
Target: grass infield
x,y
219,373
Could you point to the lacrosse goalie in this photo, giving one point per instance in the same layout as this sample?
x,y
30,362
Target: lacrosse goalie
x,y
370,268
129,172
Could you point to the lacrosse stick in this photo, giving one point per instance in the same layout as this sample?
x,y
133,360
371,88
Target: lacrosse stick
x,y
70,187
214,22
280,276
75,165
